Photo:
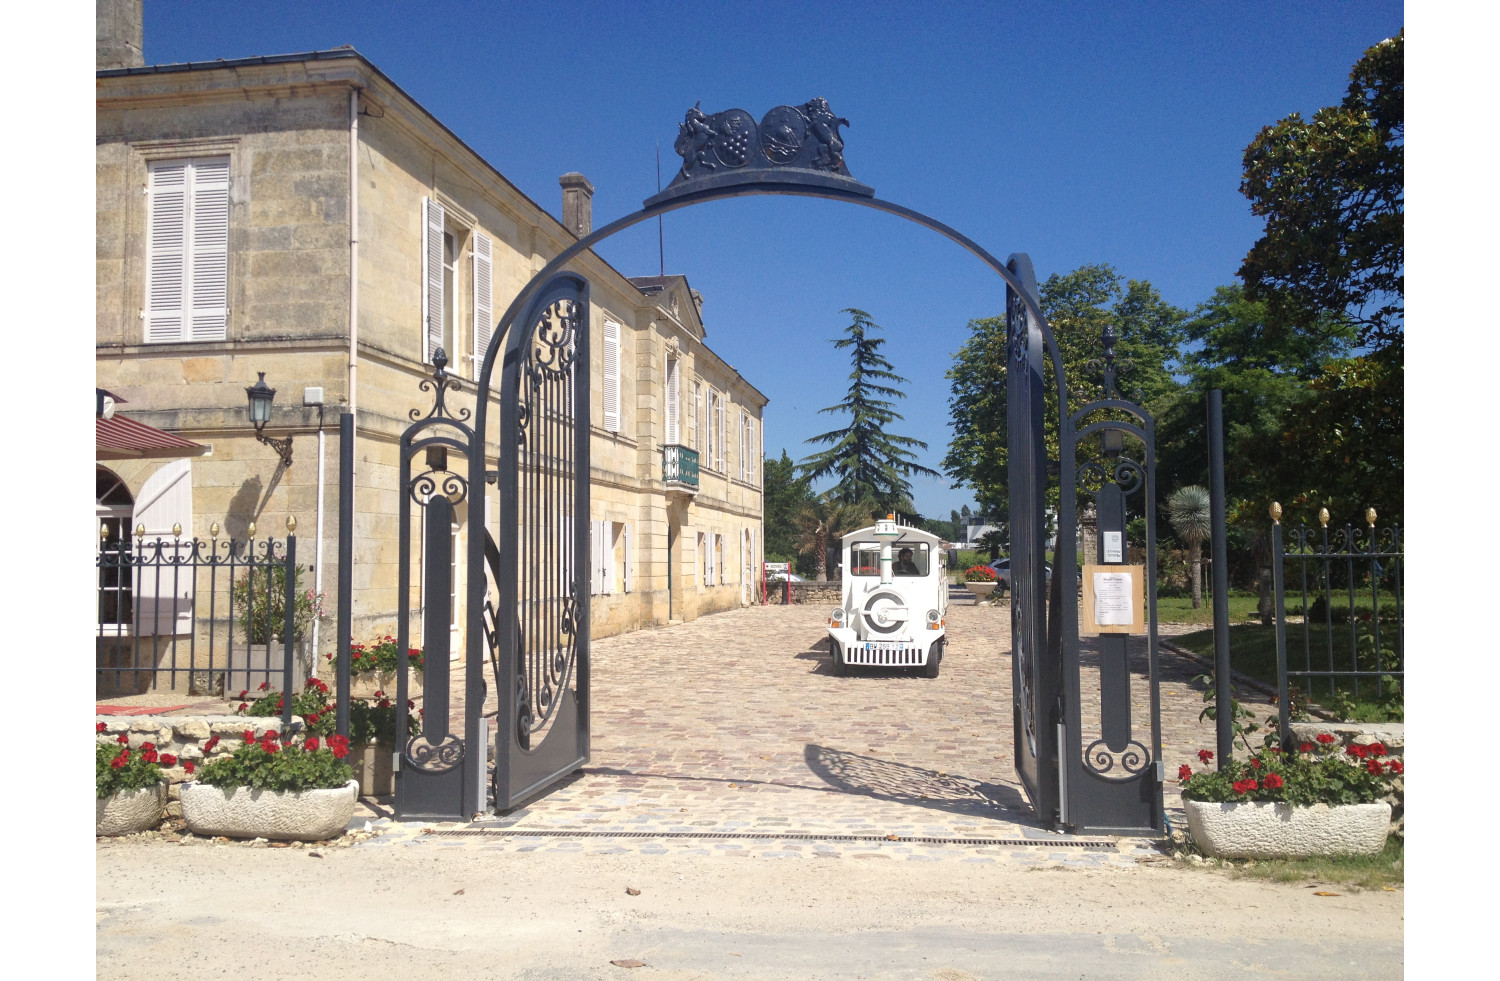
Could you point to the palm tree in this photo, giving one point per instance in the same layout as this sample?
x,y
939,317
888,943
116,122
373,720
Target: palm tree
x,y
824,519
1188,513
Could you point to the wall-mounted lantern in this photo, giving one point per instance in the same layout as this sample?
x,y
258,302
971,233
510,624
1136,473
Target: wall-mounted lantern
x,y
261,396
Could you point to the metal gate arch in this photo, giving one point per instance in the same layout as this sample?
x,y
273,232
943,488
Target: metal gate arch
x,y
726,156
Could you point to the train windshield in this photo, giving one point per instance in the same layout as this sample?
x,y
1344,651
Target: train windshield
x,y
907,559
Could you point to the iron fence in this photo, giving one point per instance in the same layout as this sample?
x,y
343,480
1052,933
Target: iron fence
x,y
1340,624
196,617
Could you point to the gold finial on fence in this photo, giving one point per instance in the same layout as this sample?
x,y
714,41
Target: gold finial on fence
x,y
177,531
213,530
1323,516
291,524
140,531
1370,516
103,532
250,532
1275,512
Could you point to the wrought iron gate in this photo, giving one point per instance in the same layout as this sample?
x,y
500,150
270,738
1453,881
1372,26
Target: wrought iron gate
x,y
540,642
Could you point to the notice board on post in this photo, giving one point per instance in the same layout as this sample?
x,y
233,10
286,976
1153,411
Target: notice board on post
x,y
1114,599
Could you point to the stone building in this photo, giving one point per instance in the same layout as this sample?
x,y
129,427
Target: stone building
x,y
303,217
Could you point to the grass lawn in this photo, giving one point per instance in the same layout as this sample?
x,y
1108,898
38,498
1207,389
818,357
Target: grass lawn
x,y
1383,871
1179,609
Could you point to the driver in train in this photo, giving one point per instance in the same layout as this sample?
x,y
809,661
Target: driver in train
x,y
904,566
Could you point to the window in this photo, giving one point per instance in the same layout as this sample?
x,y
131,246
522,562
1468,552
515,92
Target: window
x,y
719,442
712,432
697,417
434,277
112,510
674,383
611,376
187,250
719,558
752,450
864,557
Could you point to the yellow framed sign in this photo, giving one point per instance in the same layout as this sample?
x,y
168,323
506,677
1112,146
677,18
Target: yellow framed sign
x,y
1114,599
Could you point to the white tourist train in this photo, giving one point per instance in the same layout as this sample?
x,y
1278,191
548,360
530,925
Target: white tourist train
x,y
894,607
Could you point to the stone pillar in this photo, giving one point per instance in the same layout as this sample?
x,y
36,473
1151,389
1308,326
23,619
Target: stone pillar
x,y
577,203
118,29
1088,533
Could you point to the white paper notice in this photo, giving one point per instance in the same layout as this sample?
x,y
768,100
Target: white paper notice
x,y
1112,594
1114,546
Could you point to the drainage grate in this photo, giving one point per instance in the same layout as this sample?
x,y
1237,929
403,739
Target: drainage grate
x,y
766,836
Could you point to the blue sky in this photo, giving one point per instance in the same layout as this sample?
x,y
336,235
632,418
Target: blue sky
x,y
1075,132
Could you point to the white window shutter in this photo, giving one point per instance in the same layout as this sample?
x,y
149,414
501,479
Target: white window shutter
x,y
611,376
673,374
743,455
432,277
697,414
719,558
166,257
723,466
754,452
163,606
208,275
708,559
625,575
484,301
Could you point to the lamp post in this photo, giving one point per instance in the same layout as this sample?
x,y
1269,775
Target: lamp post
x,y
261,396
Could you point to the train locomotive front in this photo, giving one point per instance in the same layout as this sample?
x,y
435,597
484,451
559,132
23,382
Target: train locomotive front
x,y
894,607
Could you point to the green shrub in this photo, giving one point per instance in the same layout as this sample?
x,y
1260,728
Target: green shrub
x,y
117,769
300,764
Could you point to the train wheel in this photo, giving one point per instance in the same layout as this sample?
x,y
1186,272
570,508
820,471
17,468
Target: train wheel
x,y
839,667
934,659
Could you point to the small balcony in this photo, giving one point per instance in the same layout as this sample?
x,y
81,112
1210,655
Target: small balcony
x,y
679,469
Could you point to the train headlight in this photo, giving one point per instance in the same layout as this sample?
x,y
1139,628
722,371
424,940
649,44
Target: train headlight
x,y
934,620
837,617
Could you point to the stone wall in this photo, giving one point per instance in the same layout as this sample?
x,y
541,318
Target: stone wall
x,y
802,593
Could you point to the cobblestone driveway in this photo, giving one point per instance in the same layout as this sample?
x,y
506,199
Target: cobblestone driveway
x,y
734,724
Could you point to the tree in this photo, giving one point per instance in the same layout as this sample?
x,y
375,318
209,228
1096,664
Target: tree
x,y
868,460
1077,307
784,494
1188,514
1332,194
823,520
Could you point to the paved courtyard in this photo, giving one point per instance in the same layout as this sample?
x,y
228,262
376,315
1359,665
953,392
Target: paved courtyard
x,y
735,725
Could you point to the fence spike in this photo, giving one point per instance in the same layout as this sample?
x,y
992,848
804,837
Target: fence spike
x,y
177,530
291,524
1276,512
103,532
213,530
140,531
250,532
1370,516
1323,516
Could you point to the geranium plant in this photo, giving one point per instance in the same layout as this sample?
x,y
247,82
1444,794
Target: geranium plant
x,y
377,723
381,657
117,768
367,723
259,600
979,573
1313,772
269,763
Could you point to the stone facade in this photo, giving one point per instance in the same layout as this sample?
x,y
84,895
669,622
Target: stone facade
x,y
325,295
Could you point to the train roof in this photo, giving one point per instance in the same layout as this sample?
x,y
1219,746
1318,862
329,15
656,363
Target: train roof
x,y
908,534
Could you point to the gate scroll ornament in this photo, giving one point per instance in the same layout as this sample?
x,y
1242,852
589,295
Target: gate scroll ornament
x,y
538,628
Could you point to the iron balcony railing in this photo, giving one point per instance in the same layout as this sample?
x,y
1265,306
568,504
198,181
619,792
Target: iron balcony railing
x,y
679,465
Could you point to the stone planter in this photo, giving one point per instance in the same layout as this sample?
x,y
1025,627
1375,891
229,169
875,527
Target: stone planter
x,y
1261,829
981,590
130,811
366,685
251,665
372,768
240,812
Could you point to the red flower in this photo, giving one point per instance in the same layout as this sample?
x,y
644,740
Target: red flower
x,y
123,739
249,735
1305,748
121,760
384,703
213,741
263,686
339,745
1275,749
1324,738
313,717
167,759
1183,772
243,706
1245,786
311,745
1357,751
1376,749
149,755
380,694
269,745
244,693
188,766
1374,767
1273,781
1205,755
99,727
410,705
1395,766
1255,762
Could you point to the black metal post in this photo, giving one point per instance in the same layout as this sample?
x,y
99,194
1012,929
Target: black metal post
x,y
1283,700
346,568
287,641
1224,694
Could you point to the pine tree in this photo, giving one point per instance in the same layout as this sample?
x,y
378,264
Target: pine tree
x,y
870,462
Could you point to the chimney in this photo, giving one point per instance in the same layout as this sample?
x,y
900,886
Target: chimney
x,y
578,203
118,28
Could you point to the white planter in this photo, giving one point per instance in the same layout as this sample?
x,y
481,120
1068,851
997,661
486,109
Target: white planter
x,y
1261,829
981,590
130,811
240,812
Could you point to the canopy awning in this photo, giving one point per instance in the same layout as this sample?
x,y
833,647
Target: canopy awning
x,y
120,438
